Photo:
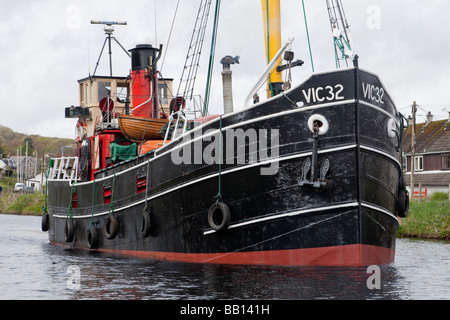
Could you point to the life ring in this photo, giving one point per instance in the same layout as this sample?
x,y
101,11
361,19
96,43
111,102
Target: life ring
x,y
219,216
403,204
92,238
45,222
80,131
69,231
392,128
111,228
146,223
324,126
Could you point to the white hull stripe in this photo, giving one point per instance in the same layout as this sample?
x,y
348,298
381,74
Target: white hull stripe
x,y
381,153
161,152
274,217
288,214
215,175
367,104
379,209
300,212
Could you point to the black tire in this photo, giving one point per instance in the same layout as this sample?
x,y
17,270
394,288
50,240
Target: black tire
x,y
45,222
403,204
111,228
219,216
146,223
69,230
92,238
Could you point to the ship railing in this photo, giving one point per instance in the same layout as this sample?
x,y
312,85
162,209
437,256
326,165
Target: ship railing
x,y
195,109
65,168
178,121
104,124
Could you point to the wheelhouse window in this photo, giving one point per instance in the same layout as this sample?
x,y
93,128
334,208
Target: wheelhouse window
x,y
123,91
163,93
104,90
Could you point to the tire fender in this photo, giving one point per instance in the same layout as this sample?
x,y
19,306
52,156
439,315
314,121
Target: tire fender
x,y
69,230
110,228
92,238
219,216
146,223
45,222
403,204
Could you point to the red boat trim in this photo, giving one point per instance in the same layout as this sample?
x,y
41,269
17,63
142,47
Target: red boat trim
x,y
350,255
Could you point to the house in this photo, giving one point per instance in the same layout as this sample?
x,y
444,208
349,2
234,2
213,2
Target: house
x,y
38,182
7,166
432,155
25,167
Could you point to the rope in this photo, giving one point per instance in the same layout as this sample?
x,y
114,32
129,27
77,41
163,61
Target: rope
x,y
400,137
146,186
70,212
111,211
307,33
93,198
219,194
211,58
289,99
336,56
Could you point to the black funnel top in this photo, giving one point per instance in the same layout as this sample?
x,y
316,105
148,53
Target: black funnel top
x,y
140,56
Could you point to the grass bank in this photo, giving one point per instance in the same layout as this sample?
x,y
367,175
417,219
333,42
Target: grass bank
x,y
427,220
26,204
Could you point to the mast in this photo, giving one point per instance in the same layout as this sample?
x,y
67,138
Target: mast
x,y
272,31
341,32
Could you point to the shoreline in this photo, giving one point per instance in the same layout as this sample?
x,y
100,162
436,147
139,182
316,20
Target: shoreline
x,y
21,204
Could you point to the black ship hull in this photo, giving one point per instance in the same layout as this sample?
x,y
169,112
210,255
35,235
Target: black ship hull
x,y
309,177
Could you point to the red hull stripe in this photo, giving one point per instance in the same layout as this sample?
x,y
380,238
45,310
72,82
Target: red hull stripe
x,y
351,255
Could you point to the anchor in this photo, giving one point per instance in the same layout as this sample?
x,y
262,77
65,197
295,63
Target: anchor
x,y
317,178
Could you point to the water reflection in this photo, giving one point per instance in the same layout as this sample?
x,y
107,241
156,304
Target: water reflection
x,y
34,269
110,277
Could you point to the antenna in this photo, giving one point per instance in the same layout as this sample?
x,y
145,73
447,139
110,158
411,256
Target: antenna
x,y
109,30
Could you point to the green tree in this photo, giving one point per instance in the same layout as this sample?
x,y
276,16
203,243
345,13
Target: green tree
x,y
30,146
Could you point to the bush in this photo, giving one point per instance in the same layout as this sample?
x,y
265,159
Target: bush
x,y
21,204
439,196
427,220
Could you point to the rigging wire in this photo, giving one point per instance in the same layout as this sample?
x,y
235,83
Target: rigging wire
x,y
192,63
211,59
170,35
156,25
307,34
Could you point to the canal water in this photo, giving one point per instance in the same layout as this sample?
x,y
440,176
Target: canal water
x,y
33,269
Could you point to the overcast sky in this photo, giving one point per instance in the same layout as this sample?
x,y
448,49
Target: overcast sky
x,y
47,45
